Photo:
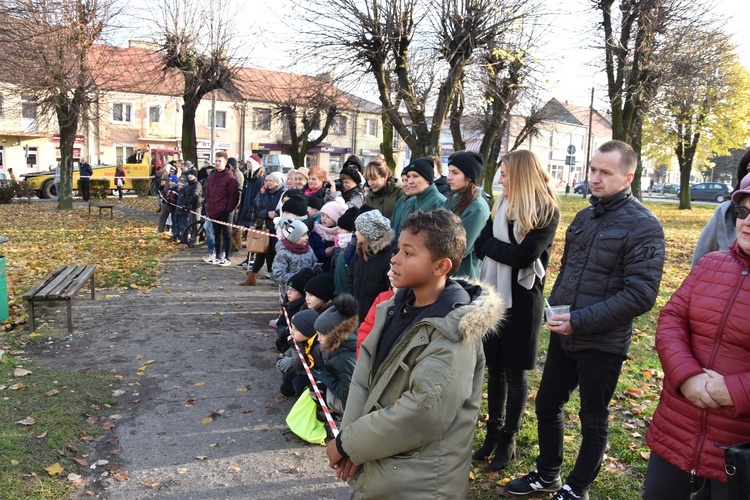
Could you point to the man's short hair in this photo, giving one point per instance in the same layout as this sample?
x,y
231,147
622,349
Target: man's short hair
x,y
628,159
221,154
444,235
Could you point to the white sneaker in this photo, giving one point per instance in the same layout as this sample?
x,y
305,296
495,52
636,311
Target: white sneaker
x,y
223,262
208,259
272,323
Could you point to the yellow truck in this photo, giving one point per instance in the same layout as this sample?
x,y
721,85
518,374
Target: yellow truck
x,y
143,163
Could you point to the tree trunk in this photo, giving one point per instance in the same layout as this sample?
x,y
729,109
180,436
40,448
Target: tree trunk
x,y
68,122
189,137
386,147
637,143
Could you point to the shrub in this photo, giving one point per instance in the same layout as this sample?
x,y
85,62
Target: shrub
x,y
100,188
7,191
142,187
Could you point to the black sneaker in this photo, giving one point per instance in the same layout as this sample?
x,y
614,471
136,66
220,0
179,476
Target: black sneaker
x,y
531,483
567,493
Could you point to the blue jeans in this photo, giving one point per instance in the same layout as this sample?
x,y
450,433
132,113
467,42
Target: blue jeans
x,y
210,241
179,223
595,373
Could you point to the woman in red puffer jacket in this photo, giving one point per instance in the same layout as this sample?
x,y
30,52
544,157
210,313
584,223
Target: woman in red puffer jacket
x,y
703,340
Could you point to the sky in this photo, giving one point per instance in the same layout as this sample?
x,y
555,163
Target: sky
x,y
572,64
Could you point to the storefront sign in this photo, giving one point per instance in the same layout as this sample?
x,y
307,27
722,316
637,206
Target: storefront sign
x,y
79,139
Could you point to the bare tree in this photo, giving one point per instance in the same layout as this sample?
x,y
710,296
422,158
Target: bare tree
x,y
635,43
48,48
416,50
196,38
500,74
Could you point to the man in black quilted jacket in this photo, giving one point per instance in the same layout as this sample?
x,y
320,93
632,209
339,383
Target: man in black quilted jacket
x,y
610,273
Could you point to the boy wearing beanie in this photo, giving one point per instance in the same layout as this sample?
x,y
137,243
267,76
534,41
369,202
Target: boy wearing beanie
x,y
337,328
294,380
294,301
293,253
424,196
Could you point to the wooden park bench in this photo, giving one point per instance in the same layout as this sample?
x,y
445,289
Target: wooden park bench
x,y
61,284
101,205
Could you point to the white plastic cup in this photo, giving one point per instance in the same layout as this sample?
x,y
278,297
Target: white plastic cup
x,y
552,311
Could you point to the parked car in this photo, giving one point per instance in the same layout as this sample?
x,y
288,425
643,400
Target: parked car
x,y
670,188
710,191
580,187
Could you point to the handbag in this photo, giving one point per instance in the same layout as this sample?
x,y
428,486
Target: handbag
x,y
303,422
737,467
258,242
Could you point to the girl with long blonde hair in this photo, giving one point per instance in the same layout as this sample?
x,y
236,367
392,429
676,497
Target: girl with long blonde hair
x,y
515,246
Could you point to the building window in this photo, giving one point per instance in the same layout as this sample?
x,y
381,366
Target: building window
x,y
122,112
261,119
221,119
338,127
371,127
154,113
122,153
31,160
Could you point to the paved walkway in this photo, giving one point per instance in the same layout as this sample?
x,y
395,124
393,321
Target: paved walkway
x,y
213,358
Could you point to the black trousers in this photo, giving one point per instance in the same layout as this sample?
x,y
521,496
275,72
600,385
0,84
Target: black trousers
x,y
85,188
507,391
666,481
220,232
595,373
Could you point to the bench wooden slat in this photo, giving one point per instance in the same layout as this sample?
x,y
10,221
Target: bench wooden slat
x,y
62,284
78,282
101,204
52,290
34,289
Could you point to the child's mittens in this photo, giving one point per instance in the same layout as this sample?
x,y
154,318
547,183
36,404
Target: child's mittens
x,y
284,364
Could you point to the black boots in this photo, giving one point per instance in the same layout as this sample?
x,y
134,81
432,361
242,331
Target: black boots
x,y
490,442
505,451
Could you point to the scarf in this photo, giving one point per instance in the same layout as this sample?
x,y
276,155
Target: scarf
x,y
325,233
294,247
500,274
310,192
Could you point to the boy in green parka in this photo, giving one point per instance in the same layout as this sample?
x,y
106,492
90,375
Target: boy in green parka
x,y
411,413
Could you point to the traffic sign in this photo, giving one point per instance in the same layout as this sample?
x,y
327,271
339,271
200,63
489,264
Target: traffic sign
x,y
571,150
570,160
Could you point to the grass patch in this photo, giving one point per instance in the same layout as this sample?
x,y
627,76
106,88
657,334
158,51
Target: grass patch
x,y
126,251
623,470
66,407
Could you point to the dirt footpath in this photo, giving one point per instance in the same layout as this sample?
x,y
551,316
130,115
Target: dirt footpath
x,y
203,420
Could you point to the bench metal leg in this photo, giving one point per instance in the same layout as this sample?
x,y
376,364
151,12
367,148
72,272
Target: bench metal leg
x,y
31,316
93,293
70,315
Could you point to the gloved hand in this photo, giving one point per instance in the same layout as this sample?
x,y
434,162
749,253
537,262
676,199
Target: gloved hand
x,y
284,364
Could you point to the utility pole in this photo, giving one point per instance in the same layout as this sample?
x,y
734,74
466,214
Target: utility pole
x,y
213,126
588,147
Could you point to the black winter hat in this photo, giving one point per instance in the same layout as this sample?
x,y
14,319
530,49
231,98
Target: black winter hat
x,y
315,202
192,171
304,321
344,307
351,173
296,205
346,221
354,162
232,161
300,279
468,162
322,286
423,166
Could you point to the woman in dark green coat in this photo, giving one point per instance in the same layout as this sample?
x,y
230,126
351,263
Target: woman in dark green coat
x,y
466,201
384,191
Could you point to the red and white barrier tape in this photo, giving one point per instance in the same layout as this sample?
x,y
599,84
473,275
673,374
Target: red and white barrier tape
x,y
314,385
213,221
